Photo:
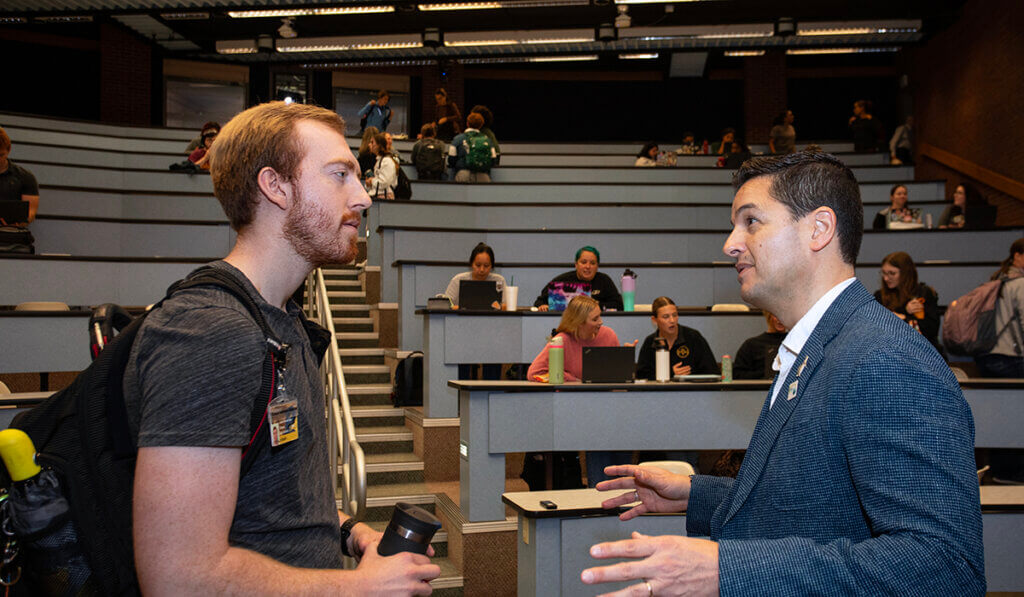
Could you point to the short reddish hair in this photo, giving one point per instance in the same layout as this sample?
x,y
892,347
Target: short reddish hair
x,y
260,137
5,141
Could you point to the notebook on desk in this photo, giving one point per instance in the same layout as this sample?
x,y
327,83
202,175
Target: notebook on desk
x,y
476,295
14,212
608,364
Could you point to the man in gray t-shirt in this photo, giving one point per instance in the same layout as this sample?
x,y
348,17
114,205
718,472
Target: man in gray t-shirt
x,y
290,187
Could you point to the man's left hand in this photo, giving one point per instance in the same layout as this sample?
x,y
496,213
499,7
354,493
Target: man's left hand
x,y
671,565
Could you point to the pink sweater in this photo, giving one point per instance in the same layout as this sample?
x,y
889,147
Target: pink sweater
x,y
573,354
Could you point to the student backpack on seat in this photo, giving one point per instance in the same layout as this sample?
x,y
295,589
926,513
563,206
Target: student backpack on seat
x,y
82,433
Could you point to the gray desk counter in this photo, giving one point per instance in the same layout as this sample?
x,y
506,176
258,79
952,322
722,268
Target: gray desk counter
x,y
501,417
553,545
454,337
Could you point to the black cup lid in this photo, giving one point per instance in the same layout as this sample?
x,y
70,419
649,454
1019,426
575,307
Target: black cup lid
x,y
416,518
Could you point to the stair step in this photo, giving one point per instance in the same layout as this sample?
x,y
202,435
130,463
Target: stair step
x,y
356,335
383,433
345,294
353,320
392,462
351,308
343,282
376,411
370,390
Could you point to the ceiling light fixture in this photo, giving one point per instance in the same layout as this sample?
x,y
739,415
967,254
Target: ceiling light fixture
x,y
65,19
287,28
582,58
305,12
809,51
638,56
653,1
504,38
10,20
237,46
350,43
184,16
741,53
499,4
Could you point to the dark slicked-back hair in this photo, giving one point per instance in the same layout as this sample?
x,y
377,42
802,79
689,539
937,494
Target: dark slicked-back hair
x,y
806,180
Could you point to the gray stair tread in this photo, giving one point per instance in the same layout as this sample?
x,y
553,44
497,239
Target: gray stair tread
x,y
400,489
391,457
377,411
360,352
357,369
383,433
346,293
355,335
376,388
352,320
350,307
451,576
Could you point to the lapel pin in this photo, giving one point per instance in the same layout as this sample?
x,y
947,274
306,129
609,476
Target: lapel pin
x,y
802,365
792,390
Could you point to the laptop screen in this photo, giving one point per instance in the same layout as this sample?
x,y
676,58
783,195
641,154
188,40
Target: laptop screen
x,y
608,364
478,295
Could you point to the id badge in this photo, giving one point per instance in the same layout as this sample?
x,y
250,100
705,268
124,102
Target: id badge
x,y
283,414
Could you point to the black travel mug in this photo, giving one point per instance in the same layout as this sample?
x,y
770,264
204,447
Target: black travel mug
x,y
411,529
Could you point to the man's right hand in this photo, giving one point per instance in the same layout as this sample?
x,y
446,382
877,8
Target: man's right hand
x,y
656,489
401,574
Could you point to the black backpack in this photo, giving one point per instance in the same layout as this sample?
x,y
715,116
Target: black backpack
x,y
82,433
408,388
15,239
430,157
403,188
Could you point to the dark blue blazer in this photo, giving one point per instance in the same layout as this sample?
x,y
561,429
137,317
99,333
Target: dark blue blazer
x,y
861,482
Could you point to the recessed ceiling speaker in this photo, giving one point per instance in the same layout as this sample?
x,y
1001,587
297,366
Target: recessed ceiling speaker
x,y
785,27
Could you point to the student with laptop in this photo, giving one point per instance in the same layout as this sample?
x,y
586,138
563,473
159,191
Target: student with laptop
x,y
481,262
584,278
688,352
581,327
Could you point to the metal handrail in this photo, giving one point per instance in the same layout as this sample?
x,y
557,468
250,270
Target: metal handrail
x,y
341,428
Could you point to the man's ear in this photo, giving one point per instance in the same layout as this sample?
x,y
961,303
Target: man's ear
x,y
274,187
823,227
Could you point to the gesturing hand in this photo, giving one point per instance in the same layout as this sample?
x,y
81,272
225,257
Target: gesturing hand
x,y
671,565
656,489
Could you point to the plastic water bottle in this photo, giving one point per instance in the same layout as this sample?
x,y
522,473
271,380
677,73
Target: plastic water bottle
x,y
628,290
556,361
662,367
726,368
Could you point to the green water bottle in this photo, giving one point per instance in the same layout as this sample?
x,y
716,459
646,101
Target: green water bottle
x,y
726,369
556,361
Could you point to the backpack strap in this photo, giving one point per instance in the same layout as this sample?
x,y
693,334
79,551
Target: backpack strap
x,y
275,359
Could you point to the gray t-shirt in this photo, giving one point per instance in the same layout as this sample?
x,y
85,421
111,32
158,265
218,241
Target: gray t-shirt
x,y
784,136
192,377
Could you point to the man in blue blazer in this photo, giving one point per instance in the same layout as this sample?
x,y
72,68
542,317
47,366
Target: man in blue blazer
x,y
860,475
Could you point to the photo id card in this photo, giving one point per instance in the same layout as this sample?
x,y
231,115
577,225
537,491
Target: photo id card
x,y
284,421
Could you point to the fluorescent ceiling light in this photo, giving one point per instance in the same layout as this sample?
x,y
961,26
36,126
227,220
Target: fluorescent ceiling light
x,y
65,19
184,16
347,43
504,38
236,46
303,12
808,51
846,31
500,4
740,53
564,58
637,56
652,1
7,20
754,30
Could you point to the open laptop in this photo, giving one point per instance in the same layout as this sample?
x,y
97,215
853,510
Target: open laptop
x,y
475,295
14,212
608,364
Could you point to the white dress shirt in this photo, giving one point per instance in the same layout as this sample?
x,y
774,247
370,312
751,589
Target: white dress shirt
x,y
794,341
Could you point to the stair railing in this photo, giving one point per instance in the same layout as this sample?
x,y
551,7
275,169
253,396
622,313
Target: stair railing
x,y
341,427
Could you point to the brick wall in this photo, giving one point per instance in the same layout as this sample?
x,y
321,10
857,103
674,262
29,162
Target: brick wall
x,y
764,94
968,84
125,76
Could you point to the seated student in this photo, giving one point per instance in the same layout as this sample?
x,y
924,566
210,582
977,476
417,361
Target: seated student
x,y
914,302
648,156
728,136
471,155
367,157
968,210
689,351
201,155
581,326
385,171
755,357
689,145
586,276
738,154
196,143
898,211
486,129
481,261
